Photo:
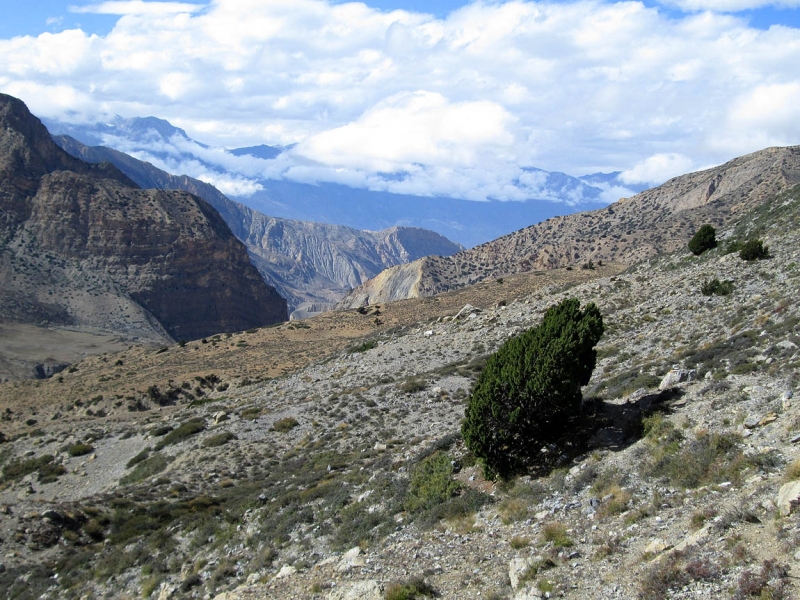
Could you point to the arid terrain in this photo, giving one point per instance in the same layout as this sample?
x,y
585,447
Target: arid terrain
x,y
323,459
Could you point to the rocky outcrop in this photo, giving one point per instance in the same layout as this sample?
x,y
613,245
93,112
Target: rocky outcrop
x,y
658,220
312,265
82,244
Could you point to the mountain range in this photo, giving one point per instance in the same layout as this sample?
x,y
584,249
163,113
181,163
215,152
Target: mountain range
x,y
312,265
652,222
253,176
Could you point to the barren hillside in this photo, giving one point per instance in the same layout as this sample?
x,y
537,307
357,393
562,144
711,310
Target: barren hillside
x,y
652,222
345,477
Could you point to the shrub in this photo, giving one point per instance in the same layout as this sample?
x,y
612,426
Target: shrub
x,y
183,431
704,239
368,345
80,449
219,440
715,286
754,250
285,424
530,387
431,483
557,533
409,590
43,464
147,468
138,458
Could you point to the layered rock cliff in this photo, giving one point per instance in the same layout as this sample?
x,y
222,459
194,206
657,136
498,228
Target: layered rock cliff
x,y
312,265
83,245
654,221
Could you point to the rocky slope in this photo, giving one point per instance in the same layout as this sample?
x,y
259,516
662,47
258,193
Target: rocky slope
x,y
312,265
654,221
83,246
676,481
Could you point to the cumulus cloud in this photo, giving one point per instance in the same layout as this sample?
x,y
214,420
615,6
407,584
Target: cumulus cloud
x,y
729,5
409,102
136,7
413,128
657,169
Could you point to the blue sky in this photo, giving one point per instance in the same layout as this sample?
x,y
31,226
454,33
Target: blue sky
x,y
446,97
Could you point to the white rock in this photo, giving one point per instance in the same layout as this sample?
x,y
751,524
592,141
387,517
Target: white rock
x,y
286,571
675,376
351,559
359,590
789,492
516,569
657,546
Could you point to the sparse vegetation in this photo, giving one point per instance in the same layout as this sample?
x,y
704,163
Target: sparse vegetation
x,y
285,425
716,287
704,239
753,250
80,449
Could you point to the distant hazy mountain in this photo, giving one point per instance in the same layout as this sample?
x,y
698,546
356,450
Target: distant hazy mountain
x,y
312,265
468,222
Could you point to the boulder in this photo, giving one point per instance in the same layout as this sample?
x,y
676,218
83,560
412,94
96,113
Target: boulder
x,y
516,570
789,498
286,571
351,559
358,590
675,376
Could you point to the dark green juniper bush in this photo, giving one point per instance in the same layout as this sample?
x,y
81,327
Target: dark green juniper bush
x,y
530,387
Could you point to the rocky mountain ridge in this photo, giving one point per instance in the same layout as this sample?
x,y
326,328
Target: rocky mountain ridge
x,y
654,221
269,188
83,246
312,265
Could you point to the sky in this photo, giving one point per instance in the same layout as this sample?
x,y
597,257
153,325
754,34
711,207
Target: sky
x,y
435,98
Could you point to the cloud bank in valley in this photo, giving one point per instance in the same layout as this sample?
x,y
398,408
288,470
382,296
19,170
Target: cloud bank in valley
x,y
411,103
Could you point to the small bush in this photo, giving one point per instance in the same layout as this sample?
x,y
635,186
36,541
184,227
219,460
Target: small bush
x,y
146,468
716,287
285,425
161,430
19,468
704,239
710,458
754,250
80,449
431,483
557,534
412,386
368,345
219,440
138,458
411,589
769,583
251,414
792,471
183,431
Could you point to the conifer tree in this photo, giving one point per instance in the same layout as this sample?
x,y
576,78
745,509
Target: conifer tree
x,y
530,387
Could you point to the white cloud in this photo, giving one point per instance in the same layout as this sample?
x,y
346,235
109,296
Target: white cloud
x,y
657,169
729,5
451,106
413,128
136,7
